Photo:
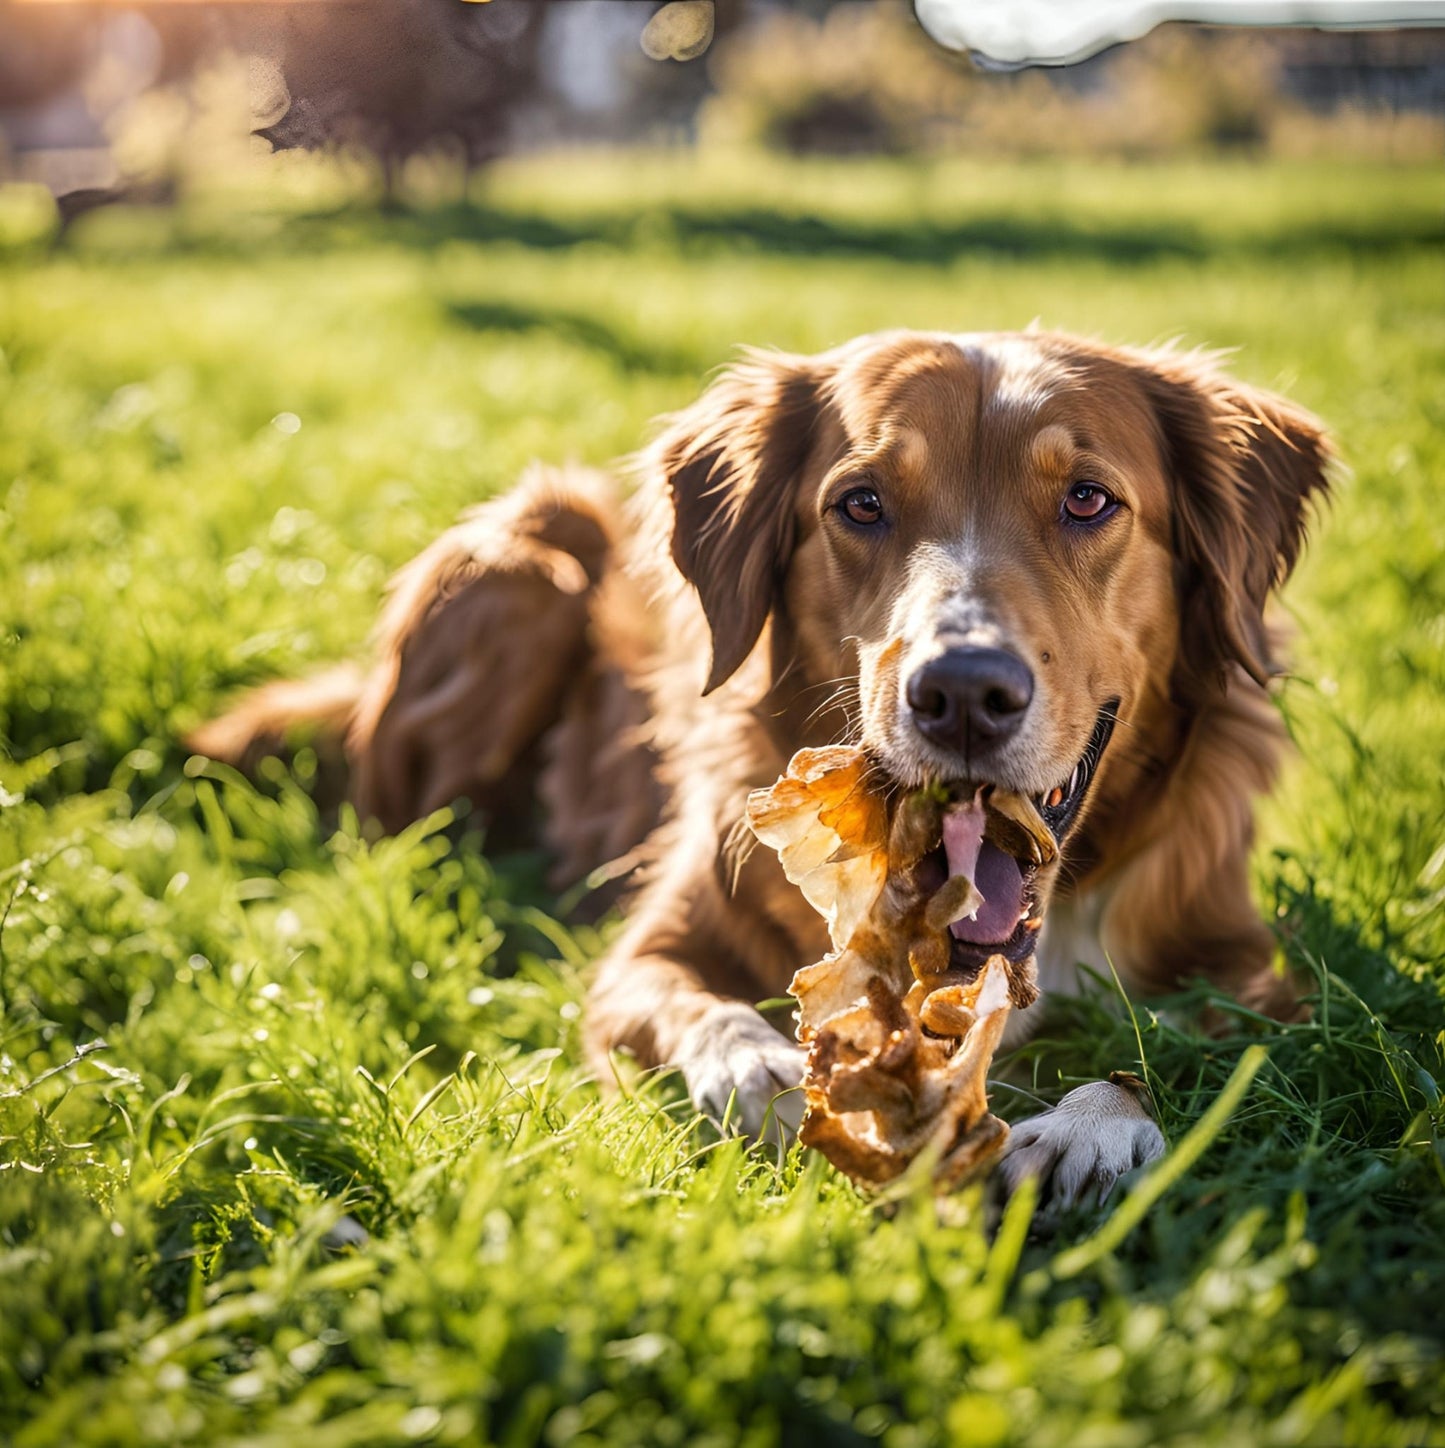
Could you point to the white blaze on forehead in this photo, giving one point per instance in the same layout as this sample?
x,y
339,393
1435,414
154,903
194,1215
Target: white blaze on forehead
x,y
1016,373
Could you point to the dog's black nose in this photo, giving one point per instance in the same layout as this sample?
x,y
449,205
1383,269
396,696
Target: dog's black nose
x,y
968,699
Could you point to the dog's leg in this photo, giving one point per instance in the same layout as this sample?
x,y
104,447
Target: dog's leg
x,y
1158,939
505,667
1078,1149
599,785
731,1055
662,1011
479,643
1098,1131
276,718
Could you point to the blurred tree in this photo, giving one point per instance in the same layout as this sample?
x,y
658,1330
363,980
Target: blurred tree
x,y
398,77
43,50
857,78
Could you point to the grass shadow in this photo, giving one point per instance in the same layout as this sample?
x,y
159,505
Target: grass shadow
x,y
628,353
915,241
701,231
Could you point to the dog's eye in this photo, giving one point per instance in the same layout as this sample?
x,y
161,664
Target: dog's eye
x,y
1088,502
862,506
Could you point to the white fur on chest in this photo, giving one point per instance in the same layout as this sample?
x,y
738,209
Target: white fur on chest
x,y
1071,937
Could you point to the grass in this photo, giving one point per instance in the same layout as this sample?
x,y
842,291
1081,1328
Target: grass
x,y
295,1140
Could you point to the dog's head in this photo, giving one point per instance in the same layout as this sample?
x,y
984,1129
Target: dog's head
x,y
1006,548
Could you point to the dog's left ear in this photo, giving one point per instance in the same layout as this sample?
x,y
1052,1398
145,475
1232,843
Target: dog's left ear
x,y
1243,467
732,462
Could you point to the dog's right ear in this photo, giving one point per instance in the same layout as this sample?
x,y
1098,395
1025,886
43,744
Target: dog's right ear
x,y
732,462
1244,467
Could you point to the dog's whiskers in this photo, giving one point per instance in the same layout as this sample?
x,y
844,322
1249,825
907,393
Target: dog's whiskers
x,y
844,697
1120,719
737,847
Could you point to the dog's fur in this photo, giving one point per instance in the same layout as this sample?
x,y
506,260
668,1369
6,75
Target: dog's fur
x,y
638,669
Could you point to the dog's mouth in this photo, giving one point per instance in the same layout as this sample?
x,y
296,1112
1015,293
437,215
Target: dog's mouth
x,y
1060,806
1003,860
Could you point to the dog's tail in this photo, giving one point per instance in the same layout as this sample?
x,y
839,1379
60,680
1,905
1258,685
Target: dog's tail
x,y
276,716
507,671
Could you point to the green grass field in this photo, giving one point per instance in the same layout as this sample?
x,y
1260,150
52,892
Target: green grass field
x,y
231,1036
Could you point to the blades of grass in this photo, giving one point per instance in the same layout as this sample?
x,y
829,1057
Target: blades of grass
x,y
148,1116
555,934
232,1313
422,1106
1008,1244
218,822
246,1088
382,1100
81,1052
18,778
408,1064
1149,1076
217,1131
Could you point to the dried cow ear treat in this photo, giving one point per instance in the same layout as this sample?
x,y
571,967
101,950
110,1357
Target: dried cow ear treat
x,y
899,1042
830,832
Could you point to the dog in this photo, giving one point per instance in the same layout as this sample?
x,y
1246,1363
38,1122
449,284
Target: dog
x,y
1020,559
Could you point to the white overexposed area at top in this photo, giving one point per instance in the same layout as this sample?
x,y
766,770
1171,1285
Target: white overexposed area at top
x,y
1057,32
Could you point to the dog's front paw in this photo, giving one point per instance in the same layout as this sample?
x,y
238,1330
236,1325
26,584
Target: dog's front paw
x,y
732,1055
1081,1147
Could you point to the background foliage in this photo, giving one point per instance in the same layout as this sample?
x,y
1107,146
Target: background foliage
x,y
864,78
294,1132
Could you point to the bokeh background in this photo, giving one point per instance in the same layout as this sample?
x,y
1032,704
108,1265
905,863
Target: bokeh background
x,y
101,98
296,1139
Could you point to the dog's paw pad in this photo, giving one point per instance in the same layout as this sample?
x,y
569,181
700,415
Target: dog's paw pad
x,y
1078,1150
734,1058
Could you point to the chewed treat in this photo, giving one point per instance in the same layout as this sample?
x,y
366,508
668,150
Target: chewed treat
x,y
899,1033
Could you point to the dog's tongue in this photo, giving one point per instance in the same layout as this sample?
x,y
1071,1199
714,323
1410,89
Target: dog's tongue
x,y
995,875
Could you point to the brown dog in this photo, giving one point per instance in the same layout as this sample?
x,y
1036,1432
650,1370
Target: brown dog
x,y
1020,559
